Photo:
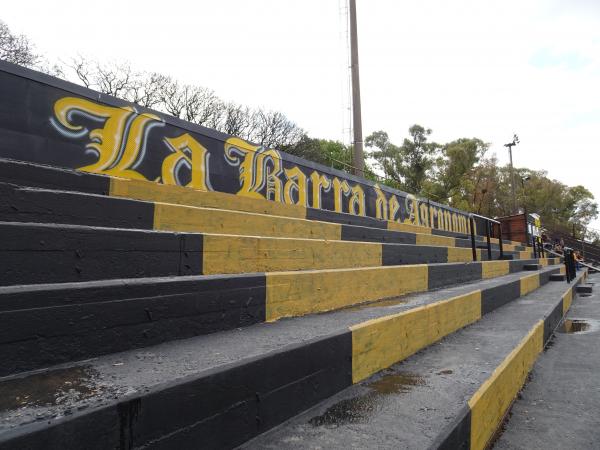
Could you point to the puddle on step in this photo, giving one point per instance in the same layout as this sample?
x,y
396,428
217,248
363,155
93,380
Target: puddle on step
x,y
359,409
55,387
570,326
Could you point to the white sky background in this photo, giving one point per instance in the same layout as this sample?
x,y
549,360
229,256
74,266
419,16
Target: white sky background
x,y
463,68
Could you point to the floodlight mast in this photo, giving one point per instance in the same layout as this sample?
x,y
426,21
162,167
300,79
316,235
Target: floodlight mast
x,y
358,160
510,145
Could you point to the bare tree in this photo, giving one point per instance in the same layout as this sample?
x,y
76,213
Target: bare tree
x,y
188,102
16,48
274,129
147,90
237,120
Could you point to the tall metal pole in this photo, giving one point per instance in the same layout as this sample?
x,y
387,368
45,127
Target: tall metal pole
x,y
512,182
358,160
510,145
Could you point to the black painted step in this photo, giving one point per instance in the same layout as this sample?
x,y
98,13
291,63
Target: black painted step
x,y
424,402
558,277
221,389
47,324
532,267
584,289
25,174
49,253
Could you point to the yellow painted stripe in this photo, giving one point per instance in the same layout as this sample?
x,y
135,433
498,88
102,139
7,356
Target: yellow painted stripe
x,y
430,239
299,293
243,254
155,192
525,255
530,283
490,403
458,254
379,343
493,269
563,270
169,217
407,227
567,299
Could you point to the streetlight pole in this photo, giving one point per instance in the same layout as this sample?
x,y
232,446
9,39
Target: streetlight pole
x,y
358,159
510,145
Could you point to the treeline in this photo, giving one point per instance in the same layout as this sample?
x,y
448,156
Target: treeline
x,y
457,173
461,174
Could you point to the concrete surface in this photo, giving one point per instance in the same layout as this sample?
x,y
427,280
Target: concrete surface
x,y
108,378
560,407
410,404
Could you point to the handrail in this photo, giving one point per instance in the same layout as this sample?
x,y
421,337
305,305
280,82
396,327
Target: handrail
x,y
486,218
569,256
488,229
583,263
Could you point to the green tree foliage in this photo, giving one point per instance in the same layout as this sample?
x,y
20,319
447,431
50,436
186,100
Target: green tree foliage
x,y
408,165
459,174
330,153
452,170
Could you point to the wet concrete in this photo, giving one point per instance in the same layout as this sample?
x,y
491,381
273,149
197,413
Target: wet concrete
x,y
359,409
139,371
411,412
559,407
578,326
51,388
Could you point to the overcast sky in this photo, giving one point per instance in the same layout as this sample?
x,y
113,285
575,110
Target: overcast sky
x,y
463,68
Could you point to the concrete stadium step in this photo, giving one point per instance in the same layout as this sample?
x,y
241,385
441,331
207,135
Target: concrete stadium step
x,y
558,407
453,395
49,253
225,388
46,324
19,204
32,175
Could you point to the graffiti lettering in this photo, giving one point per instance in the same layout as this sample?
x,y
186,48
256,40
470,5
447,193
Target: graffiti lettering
x,y
118,138
190,153
119,144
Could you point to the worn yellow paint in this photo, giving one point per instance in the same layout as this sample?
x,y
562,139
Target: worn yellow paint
x,y
563,270
529,283
155,192
407,227
379,343
243,254
169,217
548,261
491,401
567,299
299,293
458,254
525,255
430,239
493,269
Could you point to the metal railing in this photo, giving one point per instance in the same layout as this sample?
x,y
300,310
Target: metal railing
x,y
538,247
571,268
488,231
